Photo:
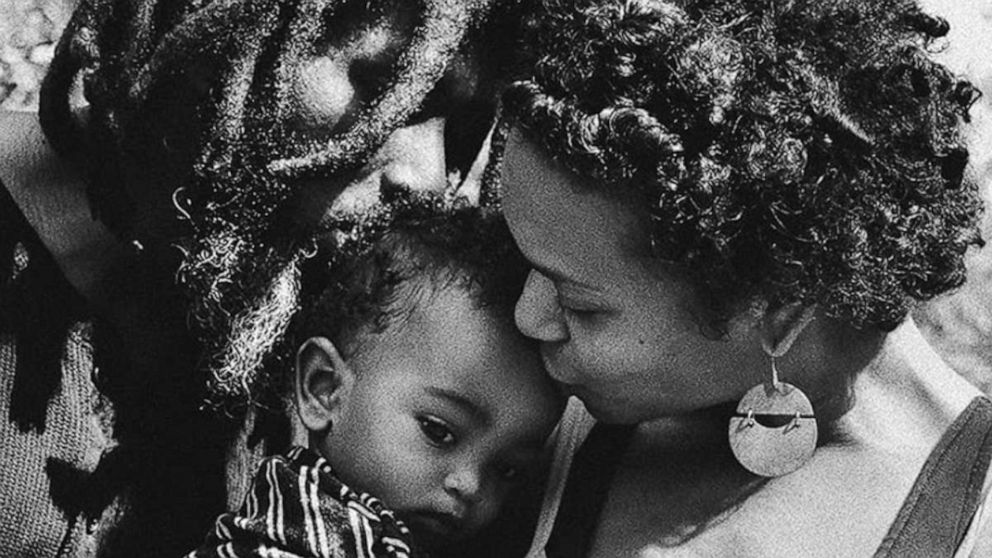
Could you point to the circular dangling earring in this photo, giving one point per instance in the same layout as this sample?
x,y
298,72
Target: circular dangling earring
x,y
773,451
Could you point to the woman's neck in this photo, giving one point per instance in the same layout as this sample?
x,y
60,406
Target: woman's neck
x,y
52,198
906,396
899,402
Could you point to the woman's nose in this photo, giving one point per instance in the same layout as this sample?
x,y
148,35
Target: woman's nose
x,y
538,314
415,159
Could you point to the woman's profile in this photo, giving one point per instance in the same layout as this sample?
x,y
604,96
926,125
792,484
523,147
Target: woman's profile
x,y
730,209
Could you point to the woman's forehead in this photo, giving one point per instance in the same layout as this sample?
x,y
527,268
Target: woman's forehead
x,y
541,191
566,230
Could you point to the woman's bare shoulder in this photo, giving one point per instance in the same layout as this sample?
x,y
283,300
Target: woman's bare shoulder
x,y
686,498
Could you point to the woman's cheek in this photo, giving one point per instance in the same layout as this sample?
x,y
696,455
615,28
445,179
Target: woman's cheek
x,y
604,356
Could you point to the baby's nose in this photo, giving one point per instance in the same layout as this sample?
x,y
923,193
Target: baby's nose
x,y
465,483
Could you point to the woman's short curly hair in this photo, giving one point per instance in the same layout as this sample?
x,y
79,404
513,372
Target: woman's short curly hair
x,y
799,151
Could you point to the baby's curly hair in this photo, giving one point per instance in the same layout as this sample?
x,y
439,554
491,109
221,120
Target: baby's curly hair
x,y
797,151
393,264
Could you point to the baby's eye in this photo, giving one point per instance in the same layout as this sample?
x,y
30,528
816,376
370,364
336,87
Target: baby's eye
x,y
437,431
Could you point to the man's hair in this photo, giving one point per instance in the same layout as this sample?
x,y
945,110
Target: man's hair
x,y
805,151
241,259
418,248
128,54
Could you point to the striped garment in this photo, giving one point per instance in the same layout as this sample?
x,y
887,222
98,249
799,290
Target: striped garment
x,y
297,508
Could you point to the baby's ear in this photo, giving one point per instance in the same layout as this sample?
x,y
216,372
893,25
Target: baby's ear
x,y
323,381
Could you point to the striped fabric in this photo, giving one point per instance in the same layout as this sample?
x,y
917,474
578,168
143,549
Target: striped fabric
x,y
297,508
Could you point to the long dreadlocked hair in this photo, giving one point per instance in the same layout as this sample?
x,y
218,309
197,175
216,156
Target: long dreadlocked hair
x,y
241,262
796,151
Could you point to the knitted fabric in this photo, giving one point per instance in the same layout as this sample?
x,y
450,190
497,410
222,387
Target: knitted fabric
x,y
55,424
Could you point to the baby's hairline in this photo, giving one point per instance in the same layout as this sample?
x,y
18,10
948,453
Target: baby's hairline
x,y
364,338
410,299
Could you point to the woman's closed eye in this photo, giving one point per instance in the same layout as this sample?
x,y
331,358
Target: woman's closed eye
x,y
578,311
577,301
577,307
437,432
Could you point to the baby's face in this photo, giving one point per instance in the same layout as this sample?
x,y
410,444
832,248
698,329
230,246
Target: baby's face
x,y
447,412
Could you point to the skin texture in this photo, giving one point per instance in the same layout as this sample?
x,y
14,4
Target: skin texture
x,y
329,89
228,272
439,416
770,167
616,329
339,81
164,431
633,350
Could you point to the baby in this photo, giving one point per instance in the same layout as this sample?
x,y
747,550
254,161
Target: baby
x,y
423,403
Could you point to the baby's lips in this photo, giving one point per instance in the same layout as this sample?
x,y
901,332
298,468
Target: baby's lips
x,y
434,527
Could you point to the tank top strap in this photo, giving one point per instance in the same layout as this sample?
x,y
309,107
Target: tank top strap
x,y
585,492
935,517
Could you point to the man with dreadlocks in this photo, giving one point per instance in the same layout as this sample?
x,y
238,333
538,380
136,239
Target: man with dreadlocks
x,y
217,136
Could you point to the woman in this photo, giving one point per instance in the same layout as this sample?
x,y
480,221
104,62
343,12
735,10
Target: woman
x,y
728,205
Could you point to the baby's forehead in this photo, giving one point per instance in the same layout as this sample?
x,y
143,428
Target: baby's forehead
x,y
473,349
450,302
521,415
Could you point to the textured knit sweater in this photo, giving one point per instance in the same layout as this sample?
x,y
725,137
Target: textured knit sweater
x,y
97,453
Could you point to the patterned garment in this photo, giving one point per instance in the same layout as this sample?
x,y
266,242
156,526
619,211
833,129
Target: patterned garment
x,y
98,450
297,508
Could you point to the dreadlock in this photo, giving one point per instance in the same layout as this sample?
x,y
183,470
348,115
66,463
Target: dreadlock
x,y
123,50
803,151
241,258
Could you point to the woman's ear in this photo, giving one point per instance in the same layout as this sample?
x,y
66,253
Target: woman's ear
x,y
782,324
323,382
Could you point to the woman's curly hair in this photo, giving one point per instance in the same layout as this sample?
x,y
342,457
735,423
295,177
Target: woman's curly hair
x,y
799,151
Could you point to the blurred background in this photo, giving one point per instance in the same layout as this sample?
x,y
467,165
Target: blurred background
x,y
29,30
959,324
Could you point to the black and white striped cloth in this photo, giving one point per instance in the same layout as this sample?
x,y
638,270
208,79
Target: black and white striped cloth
x,y
297,508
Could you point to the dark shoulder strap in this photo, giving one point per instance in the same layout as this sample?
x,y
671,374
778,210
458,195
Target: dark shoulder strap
x,y
586,489
935,517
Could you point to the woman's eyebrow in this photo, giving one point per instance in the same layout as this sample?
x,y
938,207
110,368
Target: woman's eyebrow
x,y
561,278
